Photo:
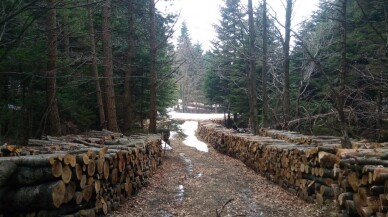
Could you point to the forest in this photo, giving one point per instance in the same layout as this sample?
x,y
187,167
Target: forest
x,y
70,66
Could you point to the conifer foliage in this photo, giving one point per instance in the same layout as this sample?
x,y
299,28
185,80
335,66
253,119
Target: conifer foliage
x,y
328,76
69,66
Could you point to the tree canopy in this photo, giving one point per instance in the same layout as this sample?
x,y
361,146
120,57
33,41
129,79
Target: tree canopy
x,y
27,30
69,66
337,78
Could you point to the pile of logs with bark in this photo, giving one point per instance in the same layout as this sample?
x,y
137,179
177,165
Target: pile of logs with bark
x,y
314,168
82,175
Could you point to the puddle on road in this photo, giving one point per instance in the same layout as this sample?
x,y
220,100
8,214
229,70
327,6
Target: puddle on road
x,y
181,193
164,213
189,128
179,197
189,164
253,209
199,175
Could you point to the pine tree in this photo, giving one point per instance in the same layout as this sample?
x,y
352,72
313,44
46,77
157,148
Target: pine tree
x,y
191,69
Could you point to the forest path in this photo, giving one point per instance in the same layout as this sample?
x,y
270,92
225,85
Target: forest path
x,y
194,183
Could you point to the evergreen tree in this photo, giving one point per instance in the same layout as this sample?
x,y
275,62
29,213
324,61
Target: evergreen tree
x,y
191,70
23,53
337,74
230,50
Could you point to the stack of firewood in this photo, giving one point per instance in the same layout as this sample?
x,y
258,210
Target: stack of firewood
x,y
363,182
218,121
82,175
315,168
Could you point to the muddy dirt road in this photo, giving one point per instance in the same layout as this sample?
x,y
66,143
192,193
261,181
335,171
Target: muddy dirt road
x,y
196,183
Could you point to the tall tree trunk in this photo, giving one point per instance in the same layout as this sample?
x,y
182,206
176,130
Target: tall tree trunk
x,y
25,114
128,116
152,127
54,127
110,101
92,40
379,109
66,32
286,73
252,73
342,77
264,69
29,108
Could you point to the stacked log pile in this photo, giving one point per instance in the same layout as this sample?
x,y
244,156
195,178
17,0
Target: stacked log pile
x,y
363,182
83,175
314,168
218,121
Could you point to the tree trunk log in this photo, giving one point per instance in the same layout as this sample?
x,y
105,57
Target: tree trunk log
x,y
7,168
43,196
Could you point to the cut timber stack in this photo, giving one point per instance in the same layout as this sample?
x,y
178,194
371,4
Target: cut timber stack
x,y
82,175
315,168
363,182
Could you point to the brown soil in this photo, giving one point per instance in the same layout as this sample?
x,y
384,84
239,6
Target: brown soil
x,y
194,183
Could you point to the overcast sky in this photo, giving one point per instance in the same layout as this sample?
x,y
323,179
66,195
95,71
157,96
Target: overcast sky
x,y
201,15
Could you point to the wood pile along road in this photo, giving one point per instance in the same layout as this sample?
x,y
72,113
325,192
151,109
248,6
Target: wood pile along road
x,y
75,175
314,168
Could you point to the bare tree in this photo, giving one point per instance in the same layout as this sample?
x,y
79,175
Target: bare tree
x,y
52,110
110,101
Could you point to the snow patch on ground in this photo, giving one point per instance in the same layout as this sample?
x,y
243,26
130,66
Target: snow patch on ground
x,y
193,116
189,128
165,146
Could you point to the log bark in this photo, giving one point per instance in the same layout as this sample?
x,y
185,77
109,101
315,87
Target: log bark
x,y
43,196
351,208
31,176
7,168
32,161
64,210
342,198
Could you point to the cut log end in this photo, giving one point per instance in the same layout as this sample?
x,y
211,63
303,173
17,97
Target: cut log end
x,y
58,193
